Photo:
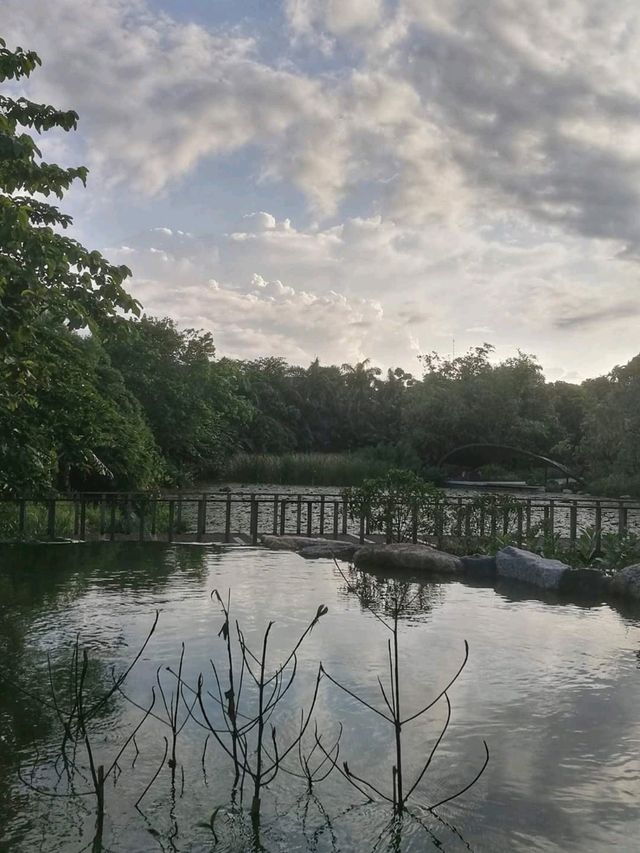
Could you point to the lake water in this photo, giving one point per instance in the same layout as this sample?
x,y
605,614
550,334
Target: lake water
x,y
552,686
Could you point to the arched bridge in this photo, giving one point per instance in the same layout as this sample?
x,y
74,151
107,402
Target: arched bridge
x,y
475,455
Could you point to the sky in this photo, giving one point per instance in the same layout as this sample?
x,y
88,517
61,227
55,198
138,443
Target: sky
x,y
346,179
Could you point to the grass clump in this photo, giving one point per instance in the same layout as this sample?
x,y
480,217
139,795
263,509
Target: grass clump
x,y
305,469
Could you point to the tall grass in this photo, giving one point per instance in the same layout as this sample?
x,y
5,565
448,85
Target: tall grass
x,y
305,469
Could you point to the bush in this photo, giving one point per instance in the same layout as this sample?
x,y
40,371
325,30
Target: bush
x,y
400,504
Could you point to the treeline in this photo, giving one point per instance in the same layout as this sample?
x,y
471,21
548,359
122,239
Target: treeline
x,y
94,395
141,404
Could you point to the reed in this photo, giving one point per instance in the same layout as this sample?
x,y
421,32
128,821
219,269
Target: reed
x,y
304,469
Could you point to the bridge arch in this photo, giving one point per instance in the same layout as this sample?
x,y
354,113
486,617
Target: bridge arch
x,y
475,455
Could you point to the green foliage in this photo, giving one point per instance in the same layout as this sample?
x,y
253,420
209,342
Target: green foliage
x,y
610,447
190,401
397,504
44,277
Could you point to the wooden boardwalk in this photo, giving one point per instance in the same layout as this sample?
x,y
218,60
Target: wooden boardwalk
x,y
241,518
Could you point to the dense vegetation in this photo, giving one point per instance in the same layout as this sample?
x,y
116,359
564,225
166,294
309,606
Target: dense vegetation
x,y
92,394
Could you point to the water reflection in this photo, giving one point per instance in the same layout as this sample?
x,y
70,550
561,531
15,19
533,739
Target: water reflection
x,y
553,686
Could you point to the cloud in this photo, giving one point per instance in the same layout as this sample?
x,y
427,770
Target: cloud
x,y
603,314
443,108
466,167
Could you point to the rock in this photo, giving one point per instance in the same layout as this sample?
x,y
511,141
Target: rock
x,y
530,568
297,543
404,555
584,582
626,582
479,566
339,550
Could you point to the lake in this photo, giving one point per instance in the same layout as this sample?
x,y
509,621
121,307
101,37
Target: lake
x,y
551,685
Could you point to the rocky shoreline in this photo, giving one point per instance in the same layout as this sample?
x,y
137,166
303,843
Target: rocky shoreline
x,y
509,563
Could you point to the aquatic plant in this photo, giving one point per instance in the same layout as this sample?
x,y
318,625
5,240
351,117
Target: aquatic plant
x,y
399,600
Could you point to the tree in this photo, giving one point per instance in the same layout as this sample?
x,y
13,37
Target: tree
x,y
610,446
43,273
191,402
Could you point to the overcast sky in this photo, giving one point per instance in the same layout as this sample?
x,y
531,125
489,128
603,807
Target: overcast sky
x,y
352,178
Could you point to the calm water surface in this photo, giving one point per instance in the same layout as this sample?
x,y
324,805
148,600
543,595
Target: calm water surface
x,y
552,686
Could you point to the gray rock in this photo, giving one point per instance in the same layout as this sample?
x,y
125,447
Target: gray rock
x,y
297,543
626,582
584,582
339,550
479,565
403,555
530,568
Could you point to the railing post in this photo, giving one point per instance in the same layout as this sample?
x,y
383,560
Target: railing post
x,y
520,515
494,519
179,513
227,519
204,515
414,523
440,511
336,510
283,509
83,518
309,517
141,521
154,516
254,521
112,530
321,515
103,507
528,517
552,516
622,519
200,521
345,514
299,515
275,515
76,516
51,519
573,523
172,509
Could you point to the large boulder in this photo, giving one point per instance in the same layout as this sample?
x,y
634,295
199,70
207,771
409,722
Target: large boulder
x,y
479,565
339,550
587,582
298,543
626,582
530,568
404,555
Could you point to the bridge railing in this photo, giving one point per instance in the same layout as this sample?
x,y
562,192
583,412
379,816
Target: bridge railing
x,y
242,517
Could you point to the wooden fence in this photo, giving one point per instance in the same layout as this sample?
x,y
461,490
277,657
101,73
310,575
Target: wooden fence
x,y
242,517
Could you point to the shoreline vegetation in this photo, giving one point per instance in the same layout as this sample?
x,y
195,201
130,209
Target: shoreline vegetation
x,y
304,469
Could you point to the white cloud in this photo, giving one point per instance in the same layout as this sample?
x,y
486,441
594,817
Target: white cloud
x,y
492,150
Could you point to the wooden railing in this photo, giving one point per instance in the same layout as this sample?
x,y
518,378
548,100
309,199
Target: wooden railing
x,y
242,517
